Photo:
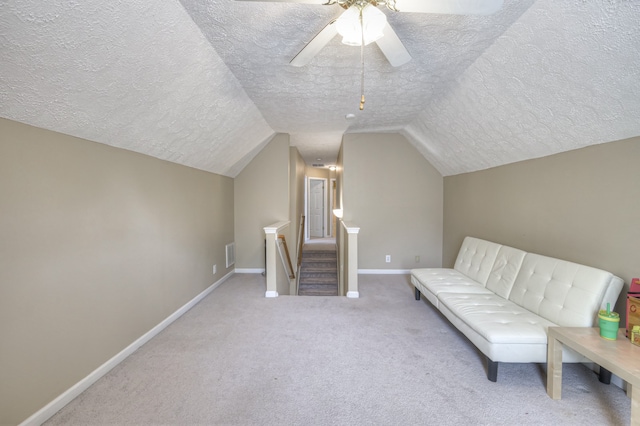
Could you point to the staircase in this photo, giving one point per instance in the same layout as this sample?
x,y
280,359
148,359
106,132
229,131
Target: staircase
x,y
318,271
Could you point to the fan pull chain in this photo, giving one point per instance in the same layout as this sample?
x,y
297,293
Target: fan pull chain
x,y
362,62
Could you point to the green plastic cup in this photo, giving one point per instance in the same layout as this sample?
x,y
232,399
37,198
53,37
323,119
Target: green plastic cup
x,y
609,323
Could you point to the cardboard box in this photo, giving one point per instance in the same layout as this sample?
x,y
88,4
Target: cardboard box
x,y
633,308
635,336
633,313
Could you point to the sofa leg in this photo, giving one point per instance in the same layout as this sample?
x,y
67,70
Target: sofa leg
x,y
492,370
604,376
417,294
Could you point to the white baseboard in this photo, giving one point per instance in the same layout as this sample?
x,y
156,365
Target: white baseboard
x,y
249,271
353,294
384,271
271,294
67,396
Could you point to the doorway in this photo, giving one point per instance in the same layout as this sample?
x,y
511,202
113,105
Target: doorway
x,y
317,207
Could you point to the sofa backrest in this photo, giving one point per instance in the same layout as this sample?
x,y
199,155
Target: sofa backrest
x,y
505,270
476,258
565,293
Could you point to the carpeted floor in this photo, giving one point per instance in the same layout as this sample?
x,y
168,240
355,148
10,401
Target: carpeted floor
x,y
238,358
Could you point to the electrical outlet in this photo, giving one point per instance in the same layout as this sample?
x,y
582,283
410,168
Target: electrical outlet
x,y
417,259
215,269
387,258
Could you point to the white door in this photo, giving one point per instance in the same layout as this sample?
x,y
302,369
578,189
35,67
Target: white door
x,y
316,208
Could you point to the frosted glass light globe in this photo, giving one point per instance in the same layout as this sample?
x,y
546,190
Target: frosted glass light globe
x,y
348,25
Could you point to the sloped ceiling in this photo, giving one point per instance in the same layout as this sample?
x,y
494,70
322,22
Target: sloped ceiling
x,y
207,83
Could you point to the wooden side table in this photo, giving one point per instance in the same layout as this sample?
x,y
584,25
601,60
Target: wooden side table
x,y
619,356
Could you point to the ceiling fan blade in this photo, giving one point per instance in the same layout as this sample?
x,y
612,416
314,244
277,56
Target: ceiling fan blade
x,y
315,45
453,7
291,1
392,47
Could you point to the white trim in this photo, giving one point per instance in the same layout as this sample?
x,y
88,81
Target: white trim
x,y
249,270
351,229
276,227
67,396
325,207
306,208
332,182
271,294
384,271
353,294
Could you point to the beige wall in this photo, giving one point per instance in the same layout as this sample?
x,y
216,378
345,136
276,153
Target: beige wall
x,y
261,199
318,172
297,170
98,246
395,196
582,206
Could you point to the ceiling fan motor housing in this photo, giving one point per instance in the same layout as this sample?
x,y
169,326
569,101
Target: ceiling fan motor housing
x,y
360,4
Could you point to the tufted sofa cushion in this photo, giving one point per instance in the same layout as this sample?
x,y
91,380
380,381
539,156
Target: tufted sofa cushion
x,y
562,292
476,258
496,319
505,270
502,330
433,281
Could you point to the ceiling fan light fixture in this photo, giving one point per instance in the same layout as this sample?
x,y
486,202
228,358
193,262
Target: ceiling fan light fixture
x,y
348,25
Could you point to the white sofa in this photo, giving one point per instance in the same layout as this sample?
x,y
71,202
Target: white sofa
x,y
504,299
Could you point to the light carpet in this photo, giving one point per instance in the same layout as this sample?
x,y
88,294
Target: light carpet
x,y
238,358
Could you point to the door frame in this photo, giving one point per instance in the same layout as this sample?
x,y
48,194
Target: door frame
x,y
325,228
332,183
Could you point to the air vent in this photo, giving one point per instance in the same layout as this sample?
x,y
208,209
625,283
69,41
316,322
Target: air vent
x,y
318,165
230,250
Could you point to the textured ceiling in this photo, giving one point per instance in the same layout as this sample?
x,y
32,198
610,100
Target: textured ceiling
x,y
207,83
136,75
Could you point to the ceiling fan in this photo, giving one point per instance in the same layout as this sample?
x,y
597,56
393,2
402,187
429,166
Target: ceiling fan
x,y
363,23
375,21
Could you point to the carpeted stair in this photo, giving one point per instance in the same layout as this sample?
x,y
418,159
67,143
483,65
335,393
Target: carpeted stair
x,y
318,273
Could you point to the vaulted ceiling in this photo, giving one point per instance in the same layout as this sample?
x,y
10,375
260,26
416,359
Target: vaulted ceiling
x,y
207,83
